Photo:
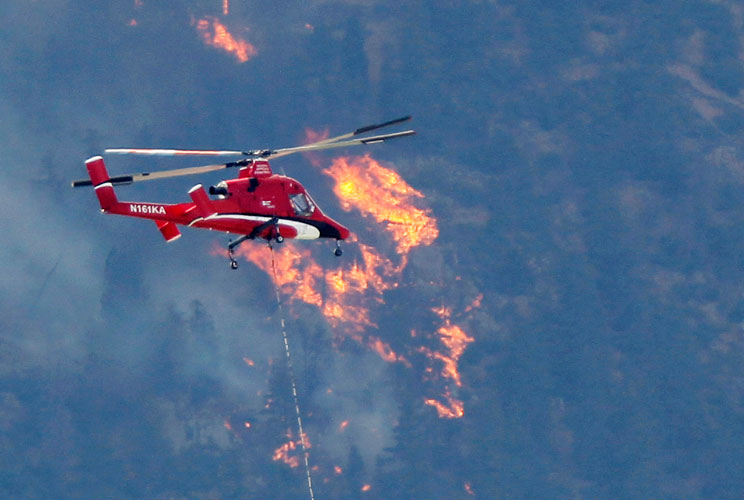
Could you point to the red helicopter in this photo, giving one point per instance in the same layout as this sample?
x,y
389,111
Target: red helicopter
x,y
257,204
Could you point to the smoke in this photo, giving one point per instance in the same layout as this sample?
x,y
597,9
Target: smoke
x,y
103,298
360,402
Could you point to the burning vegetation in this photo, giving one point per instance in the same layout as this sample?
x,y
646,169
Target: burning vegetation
x,y
346,293
216,34
288,452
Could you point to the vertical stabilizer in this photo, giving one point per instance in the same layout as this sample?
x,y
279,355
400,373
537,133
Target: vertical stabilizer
x,y
101,182
203,205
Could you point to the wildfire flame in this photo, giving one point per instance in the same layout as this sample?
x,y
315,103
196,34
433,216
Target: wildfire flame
x,y
476,303
379,192
455,341
300,277
345,295
214,33
452,408
225,7
285,451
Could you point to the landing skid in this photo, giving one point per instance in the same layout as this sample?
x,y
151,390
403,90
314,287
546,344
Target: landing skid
x,y
232,245
231,250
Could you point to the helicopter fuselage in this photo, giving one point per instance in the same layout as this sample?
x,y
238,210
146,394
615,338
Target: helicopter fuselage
x,y
257,204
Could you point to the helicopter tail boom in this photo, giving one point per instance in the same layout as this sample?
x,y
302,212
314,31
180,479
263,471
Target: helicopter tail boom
x,y
165,216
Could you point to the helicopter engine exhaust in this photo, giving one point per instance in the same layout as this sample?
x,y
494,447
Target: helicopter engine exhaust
x,y
218,190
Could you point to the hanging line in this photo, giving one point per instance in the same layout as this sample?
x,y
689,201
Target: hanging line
x,y
292,378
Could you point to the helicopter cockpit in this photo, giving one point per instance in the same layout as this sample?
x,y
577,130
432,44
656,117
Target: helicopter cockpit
x,y
301,204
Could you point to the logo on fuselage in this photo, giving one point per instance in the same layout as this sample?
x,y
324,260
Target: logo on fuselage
x,y
147,209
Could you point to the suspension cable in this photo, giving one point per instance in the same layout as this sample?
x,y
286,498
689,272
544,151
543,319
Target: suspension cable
x,y
292,377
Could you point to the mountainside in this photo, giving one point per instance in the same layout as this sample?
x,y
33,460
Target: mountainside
x,y
544,299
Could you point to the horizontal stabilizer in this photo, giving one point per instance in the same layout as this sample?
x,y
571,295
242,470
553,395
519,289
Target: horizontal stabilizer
x,y
169,230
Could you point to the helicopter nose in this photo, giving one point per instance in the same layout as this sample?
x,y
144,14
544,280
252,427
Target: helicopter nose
x,y
332,229
343,232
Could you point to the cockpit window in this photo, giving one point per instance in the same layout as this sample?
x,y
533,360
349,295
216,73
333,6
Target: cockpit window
x,y
301,204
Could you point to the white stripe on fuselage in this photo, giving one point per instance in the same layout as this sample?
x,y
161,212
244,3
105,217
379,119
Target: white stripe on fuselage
x,y
304,231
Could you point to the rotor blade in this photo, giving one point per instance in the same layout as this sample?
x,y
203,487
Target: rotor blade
x,y
341,144
172,152
333,142
258,152
119,180
370,128
362,130
163,174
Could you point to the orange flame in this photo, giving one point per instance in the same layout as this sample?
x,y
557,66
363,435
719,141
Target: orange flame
x,y
469,489
297,273
476,303
379,192
337,470
345,294
442,311
455,341
216,34
343,426
225,7
284,452
452,409
366,488
347,290
386,352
